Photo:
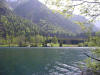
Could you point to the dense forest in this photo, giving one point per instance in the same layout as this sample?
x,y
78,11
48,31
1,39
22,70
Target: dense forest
x,y
17,28
19,31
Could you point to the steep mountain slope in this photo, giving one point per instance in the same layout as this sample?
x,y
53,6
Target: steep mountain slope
x,y
97,24
12,25
78,18
4,8
81,19
36,11
15,3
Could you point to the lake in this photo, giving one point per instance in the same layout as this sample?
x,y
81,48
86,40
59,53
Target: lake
x,y
41,61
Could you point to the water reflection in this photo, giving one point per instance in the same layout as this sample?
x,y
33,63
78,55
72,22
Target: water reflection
x,y
40,61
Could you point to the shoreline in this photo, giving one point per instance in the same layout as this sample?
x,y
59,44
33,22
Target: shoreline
x,y
49,47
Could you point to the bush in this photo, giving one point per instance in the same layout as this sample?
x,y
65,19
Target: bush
x,y
93,64
23,45
80,45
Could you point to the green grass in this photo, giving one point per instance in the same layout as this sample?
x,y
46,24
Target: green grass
x,y
55,45
69,45
11,45
40,45
4,46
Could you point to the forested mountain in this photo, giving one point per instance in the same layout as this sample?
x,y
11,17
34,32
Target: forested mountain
x,y
12,26
36,11
83,21
15,3
17,30
32,22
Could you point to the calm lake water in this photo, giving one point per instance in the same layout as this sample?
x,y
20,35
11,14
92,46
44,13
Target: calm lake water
x,y
40,61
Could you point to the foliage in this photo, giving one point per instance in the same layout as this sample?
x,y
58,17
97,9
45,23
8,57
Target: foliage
x,y
80,45
87,8
93,41
92,64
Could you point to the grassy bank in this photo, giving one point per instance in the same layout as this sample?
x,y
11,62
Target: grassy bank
x,y
40,45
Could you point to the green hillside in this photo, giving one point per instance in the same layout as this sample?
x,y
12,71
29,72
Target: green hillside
x,y
17,30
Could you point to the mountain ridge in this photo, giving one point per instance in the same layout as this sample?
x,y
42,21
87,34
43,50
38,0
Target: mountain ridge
x,y
35,11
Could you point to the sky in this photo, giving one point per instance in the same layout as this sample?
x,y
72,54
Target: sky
x,y
64,3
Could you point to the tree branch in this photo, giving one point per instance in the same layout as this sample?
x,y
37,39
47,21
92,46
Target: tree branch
x,y
85,2
91,57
